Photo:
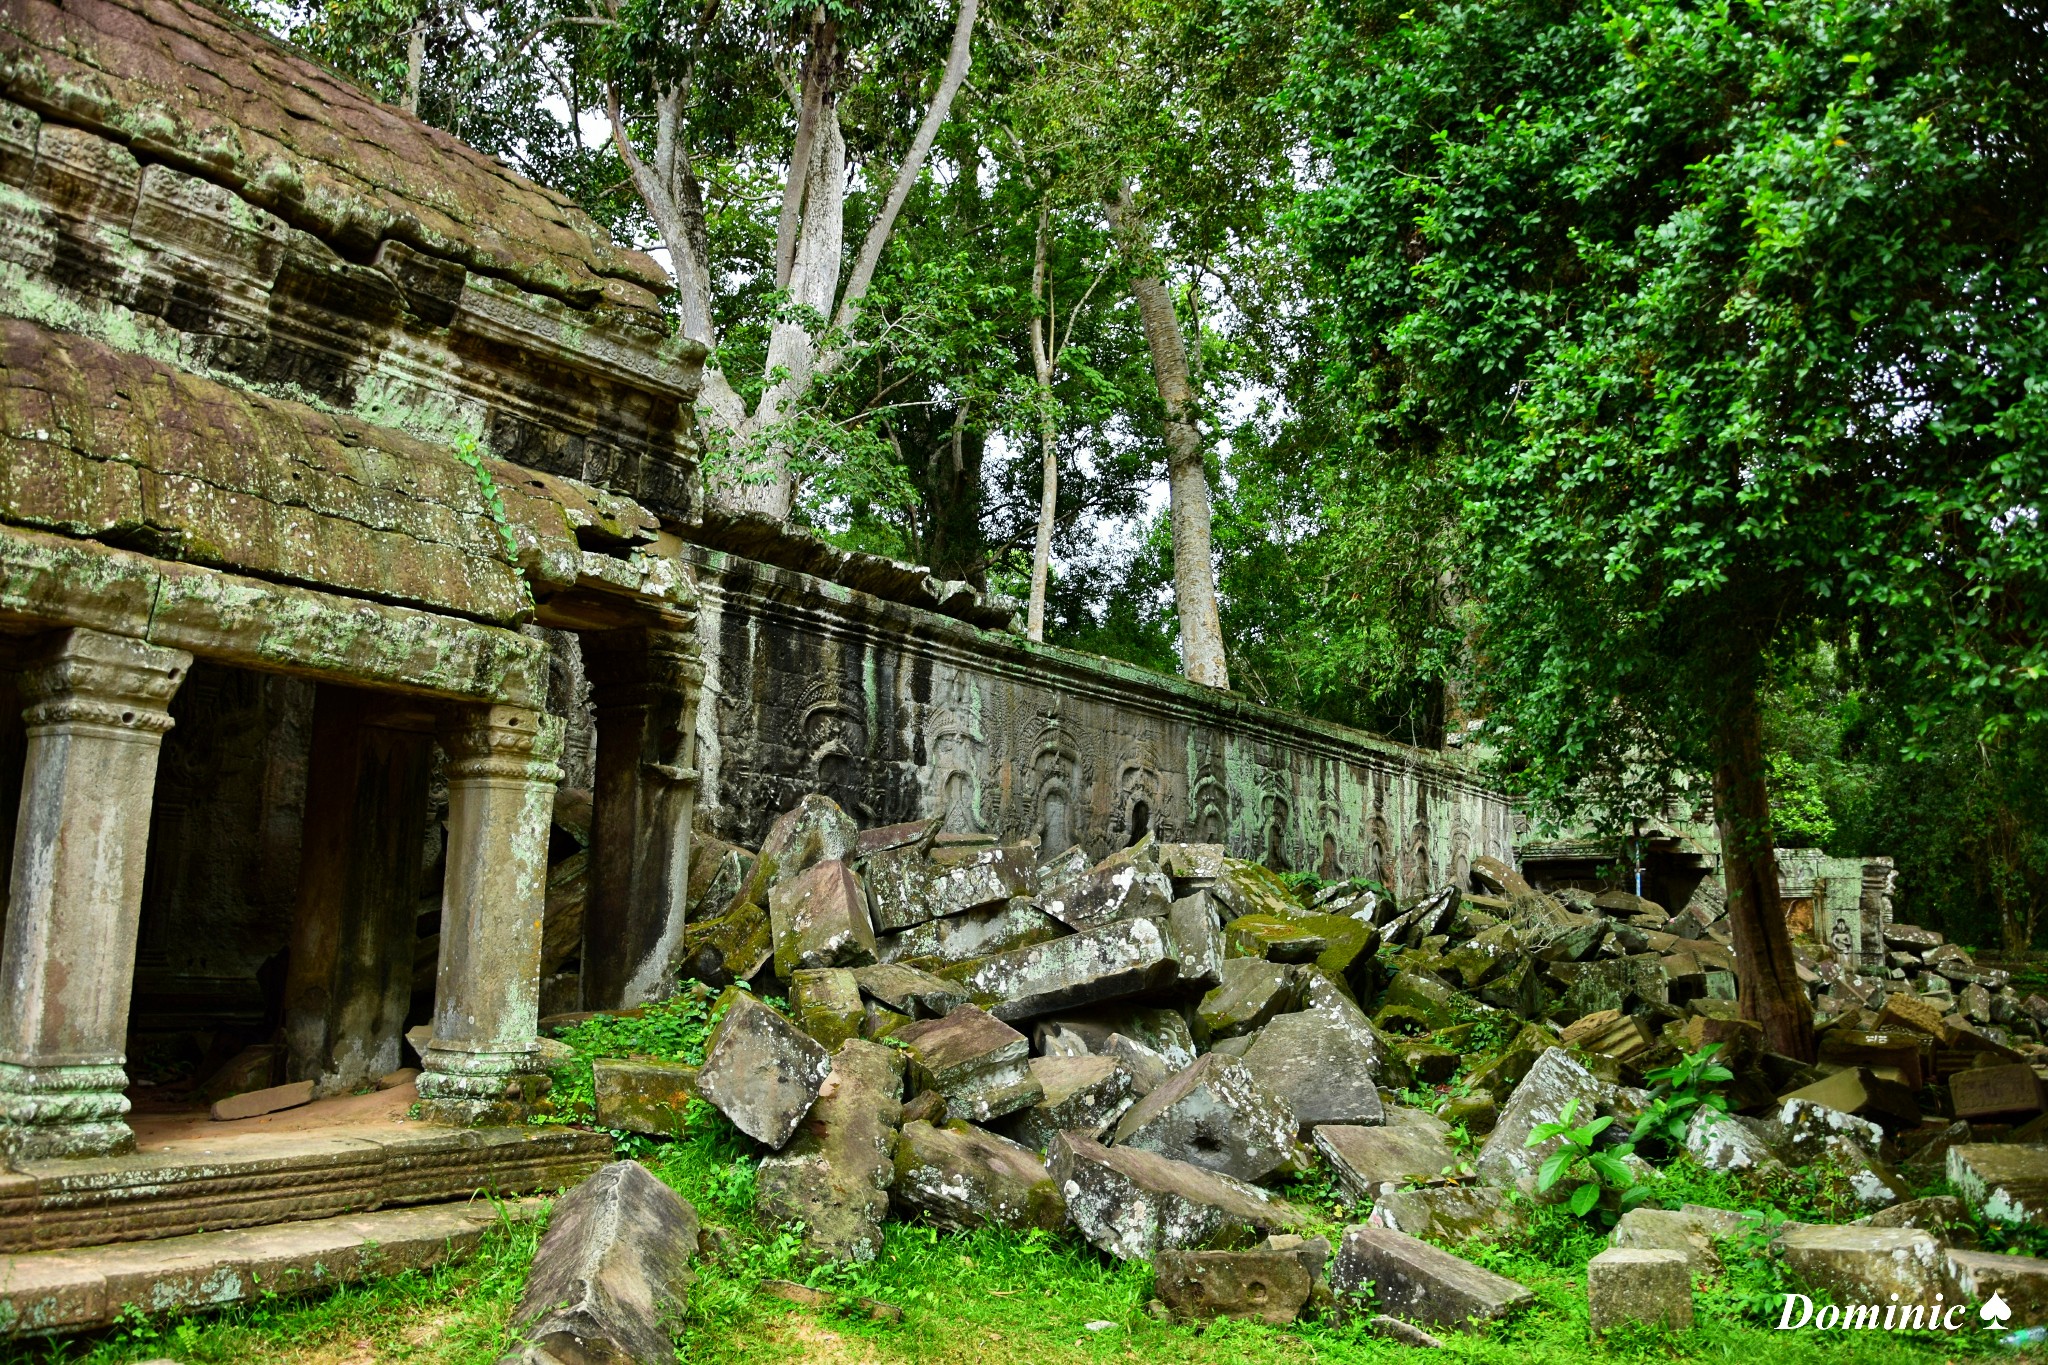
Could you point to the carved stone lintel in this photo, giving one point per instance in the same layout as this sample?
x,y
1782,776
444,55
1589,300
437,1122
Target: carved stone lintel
x,y
96,717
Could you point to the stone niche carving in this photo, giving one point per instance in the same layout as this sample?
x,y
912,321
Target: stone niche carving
x,y
955,748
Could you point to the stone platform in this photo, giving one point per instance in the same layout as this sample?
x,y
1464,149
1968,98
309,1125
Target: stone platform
x,y
344,1156
73,1291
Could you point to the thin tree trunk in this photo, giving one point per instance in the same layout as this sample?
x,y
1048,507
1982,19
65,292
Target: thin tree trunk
x,y
1187,479
1049,478
1770,991
415,62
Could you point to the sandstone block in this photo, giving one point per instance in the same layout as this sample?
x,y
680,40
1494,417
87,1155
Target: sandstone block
x,y
1324,1065
1132,1204
1411,1148
2004,1183
1689,1232
1446,1213
761,1071
2011,1092
820,919
1415,1282
2022,1281
908,888
827,1005
1086,1093
643,1097
977,1062
1213,1115
910,991
971,935
834,1176
1126,885
1860,1091
1854,1264
961,1177
815,830
732,947
254,1103
1266,1285
1628,1286
1250,994
1112,963
1194,933
1162,1030
1554,1080
1727,1142
613,1270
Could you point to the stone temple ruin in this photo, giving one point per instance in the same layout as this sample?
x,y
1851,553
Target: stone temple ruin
x,y
369,672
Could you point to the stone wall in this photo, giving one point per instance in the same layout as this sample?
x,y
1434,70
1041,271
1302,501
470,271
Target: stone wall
x,y
899,713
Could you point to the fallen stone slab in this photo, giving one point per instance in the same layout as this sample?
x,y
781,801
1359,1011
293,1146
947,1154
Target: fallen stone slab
x,y
761,1071
970,936
1163,1030
820,919
1251,993
1324,1065
1860,1091
961,1177
1132,1204
1126,885
1213,1115
732,947
906,887
834,1176
51,1292
612,1274
907,990
1270,1285
255,1103
1194,934
1415,1282
1691,1232
1726,1142
2004,1183
2011,1092
1410,1148
1086,1093
815,830
826,1004
977,1062
2022,1281
1852,1264
1112,963
1148,1069
1447,1213
1631,1286
1554,1080
642,1097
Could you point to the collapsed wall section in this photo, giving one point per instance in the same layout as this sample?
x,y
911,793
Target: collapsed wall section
x,y
898,713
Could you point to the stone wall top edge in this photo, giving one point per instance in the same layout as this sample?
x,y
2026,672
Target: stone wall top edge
x,y
1090,675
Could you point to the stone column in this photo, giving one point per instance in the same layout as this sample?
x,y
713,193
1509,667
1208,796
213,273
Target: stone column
x,y
501,789
350,974
96,717
645,685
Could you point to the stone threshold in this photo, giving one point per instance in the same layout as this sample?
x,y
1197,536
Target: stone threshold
x,y
75,1291
210,1183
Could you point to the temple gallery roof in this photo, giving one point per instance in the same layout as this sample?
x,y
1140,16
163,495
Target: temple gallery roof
x,y
179,83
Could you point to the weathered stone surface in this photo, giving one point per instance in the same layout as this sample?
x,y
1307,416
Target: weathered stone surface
x,y
1251,993
1859,1091
2022,1281
1691,1232
820,919
971,936
961,1177
761,1071
1265,1285
1194,934
1727,1142
1111,963
1553,1081
1628,1286
1148,1069
732,947
2011,1092
1446,1213
1125,885
910,991
980,1064
1324,1065
1164,1031
827,1005
1213,1115
1814,1132
253,1103
908,888
643,1097
1132,1204
1500,1076
814,830
1433,1002
1416,1282
1410,1148
1086,1094
1854,1264
2006,1184
834,1177
1940,1214
613,1270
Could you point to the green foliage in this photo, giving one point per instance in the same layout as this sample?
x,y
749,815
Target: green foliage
x,y
672,1030
1677,1092
1799,808
1578,1158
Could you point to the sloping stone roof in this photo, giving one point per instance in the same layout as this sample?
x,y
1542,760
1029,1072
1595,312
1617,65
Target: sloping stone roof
x,y
180,83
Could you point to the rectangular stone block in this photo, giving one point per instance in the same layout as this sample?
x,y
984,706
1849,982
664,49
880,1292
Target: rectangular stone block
x,y
820,919
1626,1287
1132,1204
1111,963
979,1064
2005,1183
1984,1092
643,1097
1418,1283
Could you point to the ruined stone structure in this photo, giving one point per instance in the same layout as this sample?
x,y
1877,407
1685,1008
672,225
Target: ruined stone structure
x,y
900,712
311,419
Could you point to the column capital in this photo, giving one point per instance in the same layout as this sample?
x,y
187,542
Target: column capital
x,y
514,743
88,677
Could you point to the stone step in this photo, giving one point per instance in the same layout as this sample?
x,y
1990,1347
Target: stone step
x,y
49,1292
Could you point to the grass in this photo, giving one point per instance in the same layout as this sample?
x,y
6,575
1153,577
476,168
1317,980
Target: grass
x,y
991,1297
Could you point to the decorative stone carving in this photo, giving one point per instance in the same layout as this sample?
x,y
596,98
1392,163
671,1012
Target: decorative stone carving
x,y
96,714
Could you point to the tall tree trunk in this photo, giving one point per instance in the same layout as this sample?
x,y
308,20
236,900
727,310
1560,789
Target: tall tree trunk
x,y
1765,970
1187,479
1048,459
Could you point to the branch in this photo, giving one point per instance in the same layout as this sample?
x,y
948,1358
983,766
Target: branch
x,y
957,61
816,76
692,275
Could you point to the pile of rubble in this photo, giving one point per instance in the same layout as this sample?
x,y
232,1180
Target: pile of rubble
x,y
1143,1047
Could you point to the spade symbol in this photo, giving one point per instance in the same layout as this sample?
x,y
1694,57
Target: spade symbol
x,y
1995,1312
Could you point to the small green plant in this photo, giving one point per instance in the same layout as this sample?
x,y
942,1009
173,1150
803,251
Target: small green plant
x,y
1678,1092
1577,1157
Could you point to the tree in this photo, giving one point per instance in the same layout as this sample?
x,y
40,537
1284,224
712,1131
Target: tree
x,y
1726,323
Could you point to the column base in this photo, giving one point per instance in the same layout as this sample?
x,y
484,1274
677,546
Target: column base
x,y
480,1089
60,1111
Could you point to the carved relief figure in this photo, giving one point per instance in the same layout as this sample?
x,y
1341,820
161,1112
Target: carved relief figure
x,y
954,745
